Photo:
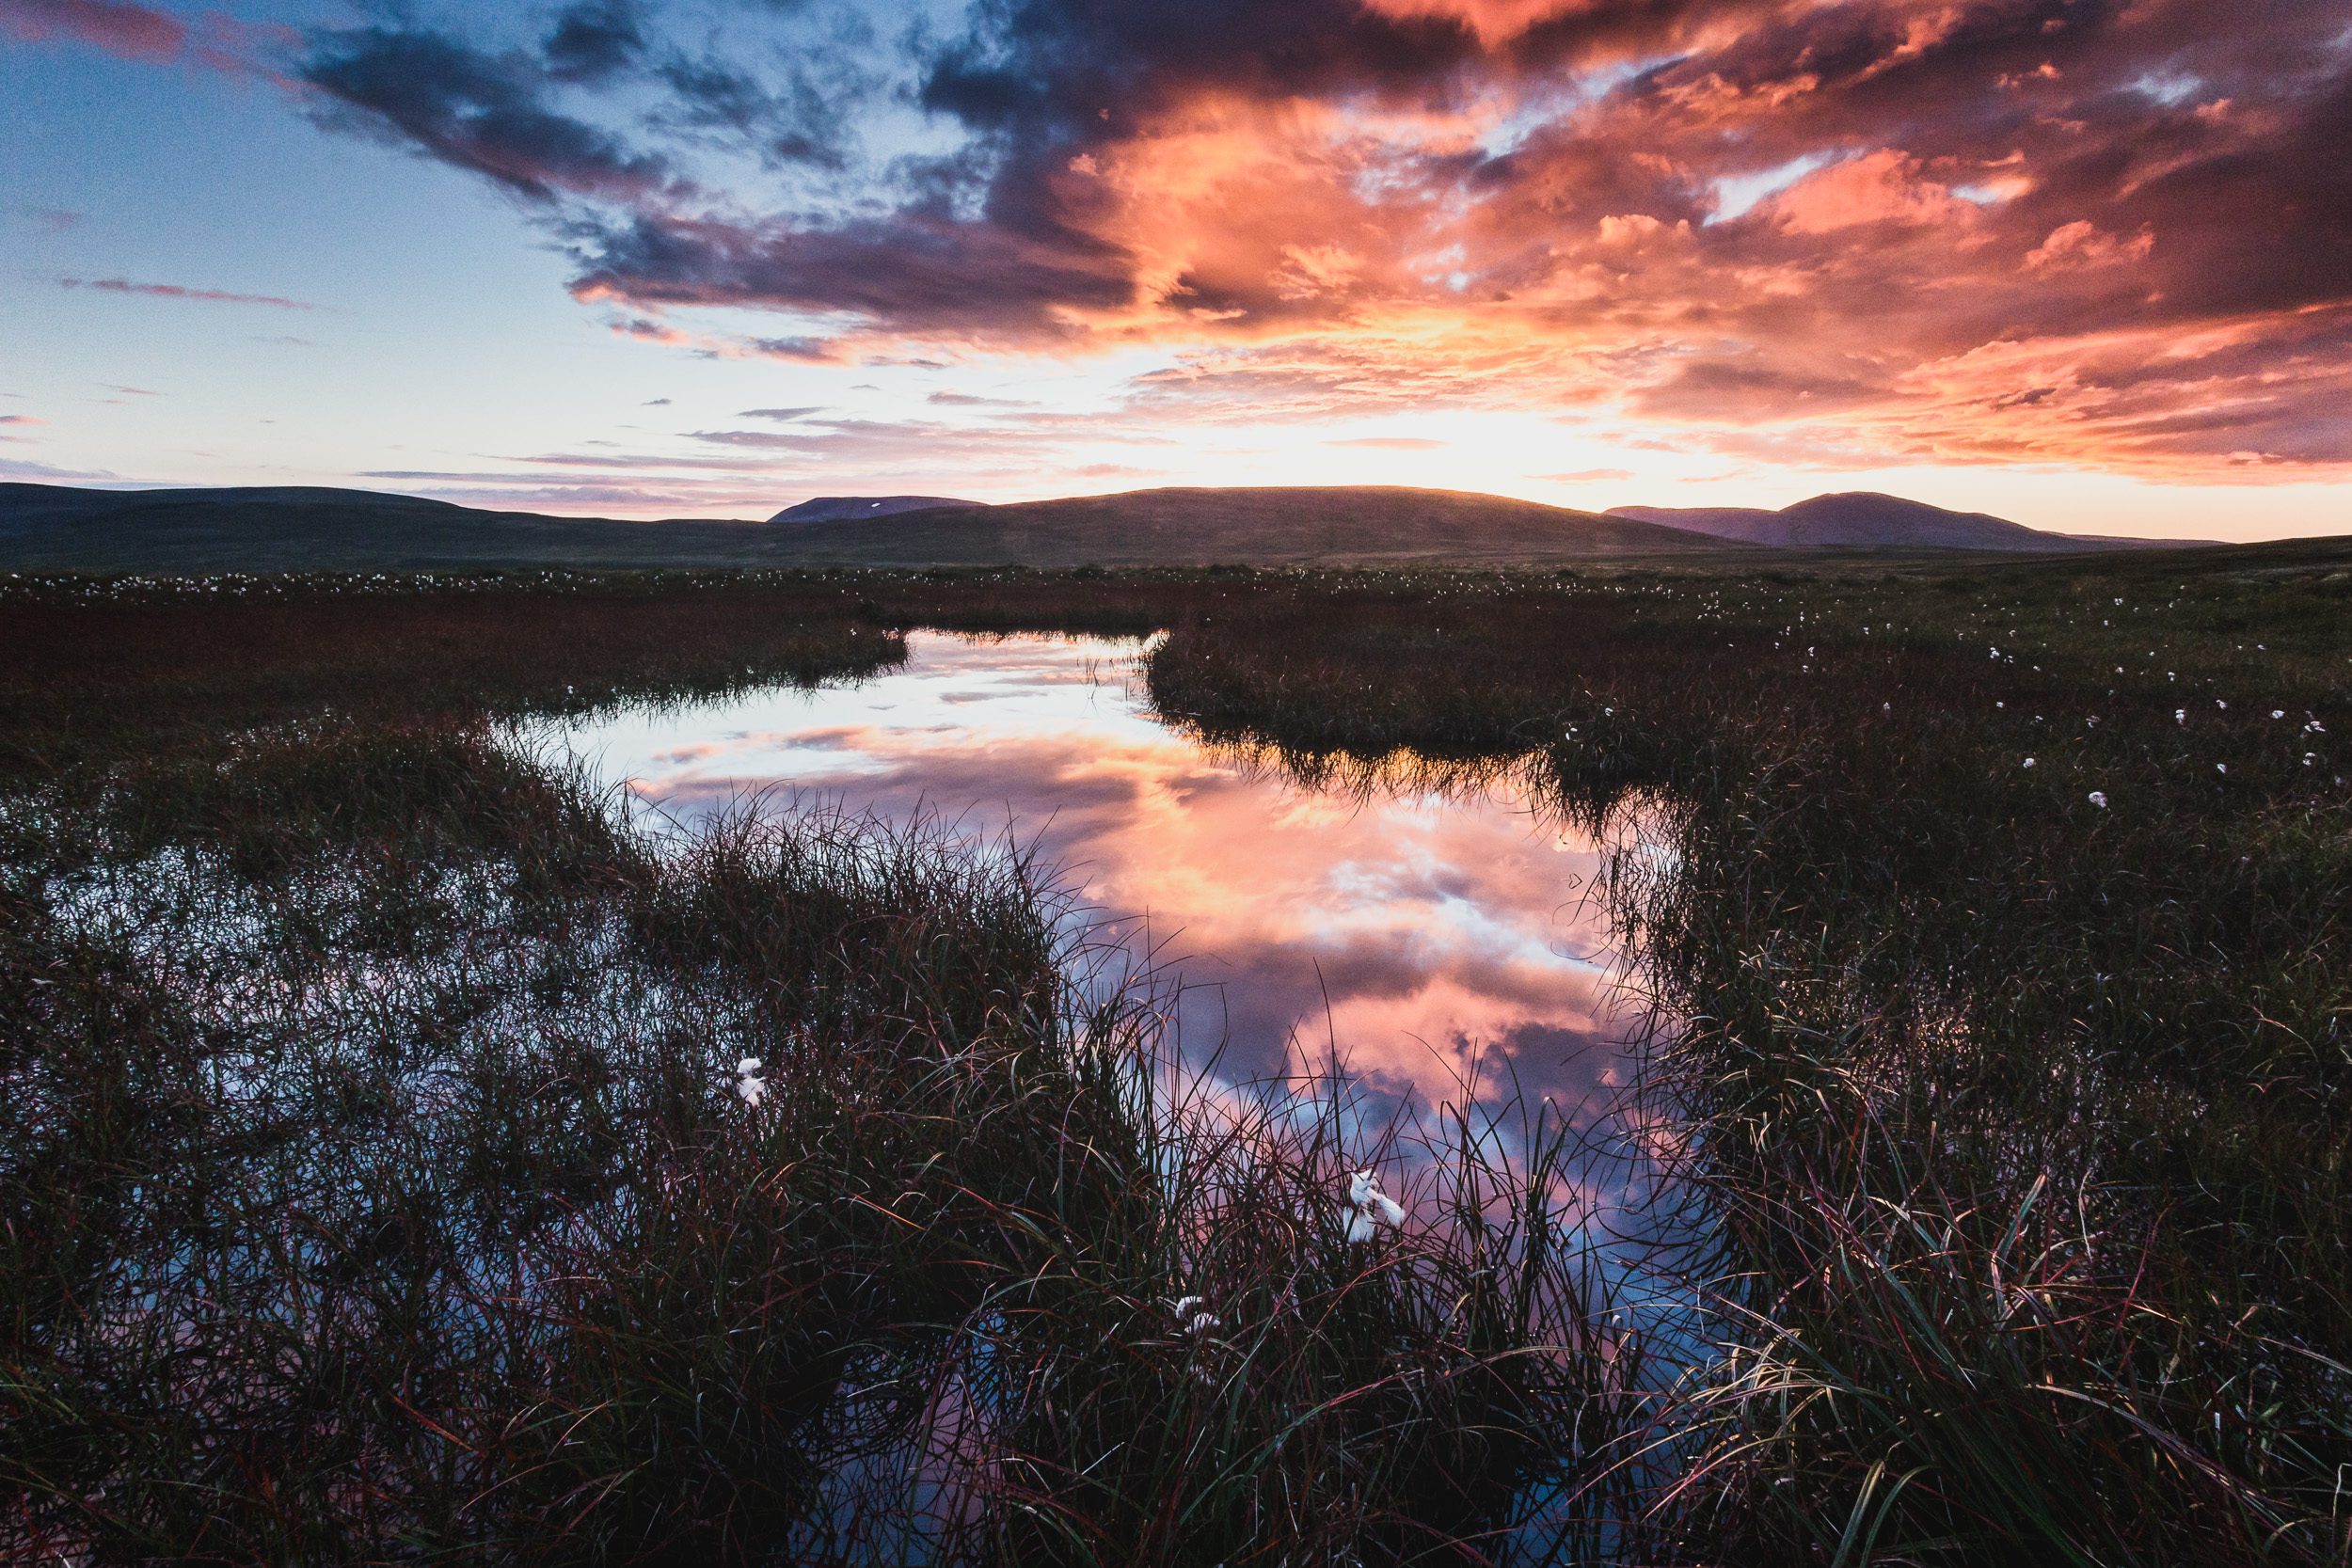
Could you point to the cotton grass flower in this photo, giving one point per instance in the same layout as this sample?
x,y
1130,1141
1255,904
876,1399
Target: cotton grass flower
x,y
2027,762
2099,798
1369,1207
749,1084
1192,1321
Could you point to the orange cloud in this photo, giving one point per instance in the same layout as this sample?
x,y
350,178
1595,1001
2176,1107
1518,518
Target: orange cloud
x,y
1867,232
1884,186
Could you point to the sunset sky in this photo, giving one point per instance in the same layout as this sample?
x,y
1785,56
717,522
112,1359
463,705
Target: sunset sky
x,y
2086,264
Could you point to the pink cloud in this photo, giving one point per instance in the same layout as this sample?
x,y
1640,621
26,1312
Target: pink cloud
x,y
133,31
1868,233
175,291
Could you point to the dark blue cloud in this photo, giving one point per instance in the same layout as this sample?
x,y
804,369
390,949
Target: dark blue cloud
x,y
485,112
593,41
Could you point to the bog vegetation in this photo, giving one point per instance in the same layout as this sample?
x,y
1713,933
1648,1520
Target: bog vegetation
x,y
407,1155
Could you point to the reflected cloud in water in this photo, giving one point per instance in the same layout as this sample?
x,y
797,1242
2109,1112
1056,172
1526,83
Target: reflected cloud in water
x,y
1433,936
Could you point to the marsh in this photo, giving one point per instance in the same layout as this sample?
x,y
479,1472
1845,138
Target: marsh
x,y
1781,1089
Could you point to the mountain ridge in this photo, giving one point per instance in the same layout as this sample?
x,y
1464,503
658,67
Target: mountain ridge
x,y
288,528
1871,520
292,528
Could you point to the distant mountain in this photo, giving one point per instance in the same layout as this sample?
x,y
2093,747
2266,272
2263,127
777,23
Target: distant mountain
x,y
60,529
1263,525
47,527
1863,519
827,509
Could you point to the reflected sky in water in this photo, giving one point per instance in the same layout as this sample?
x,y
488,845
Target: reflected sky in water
x,y
1430,935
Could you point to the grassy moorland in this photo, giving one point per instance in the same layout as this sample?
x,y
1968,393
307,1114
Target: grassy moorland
x,y
376,1182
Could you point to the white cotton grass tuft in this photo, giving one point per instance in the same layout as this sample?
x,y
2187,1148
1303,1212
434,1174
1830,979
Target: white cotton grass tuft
x,y
2099,798
749,1084
1192,1317
2027,762
1369,1207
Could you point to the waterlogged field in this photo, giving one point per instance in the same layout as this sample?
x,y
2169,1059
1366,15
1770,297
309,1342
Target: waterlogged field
x,y
1441,924
724,1070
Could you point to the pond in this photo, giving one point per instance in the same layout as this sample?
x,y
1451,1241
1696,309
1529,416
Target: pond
x,y
1432,928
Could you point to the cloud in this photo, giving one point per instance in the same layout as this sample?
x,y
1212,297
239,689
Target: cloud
x,y
778,413
175,291
12,467
2077,232
485,112
20,419
1586,476
1391,443
2080,244
215,40
133,31
967,400
593,41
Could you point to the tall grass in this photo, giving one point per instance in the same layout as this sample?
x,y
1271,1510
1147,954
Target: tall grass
x,y
2022,1115
377,1185
377,1182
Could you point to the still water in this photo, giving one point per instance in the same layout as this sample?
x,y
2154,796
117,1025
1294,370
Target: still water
x,y
1434,938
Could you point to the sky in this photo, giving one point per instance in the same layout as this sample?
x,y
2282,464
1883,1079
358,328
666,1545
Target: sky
x,y
2084,264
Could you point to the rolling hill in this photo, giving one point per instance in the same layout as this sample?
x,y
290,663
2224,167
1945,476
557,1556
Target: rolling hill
x,y
826,509
60,529
1864,519
1211,527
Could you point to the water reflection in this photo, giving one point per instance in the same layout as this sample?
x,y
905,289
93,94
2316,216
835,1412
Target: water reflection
x,y
1434,936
